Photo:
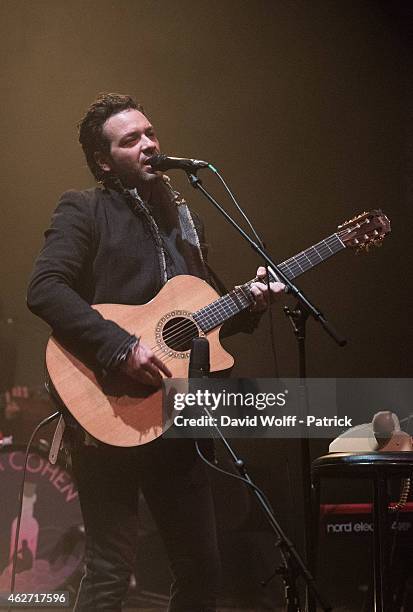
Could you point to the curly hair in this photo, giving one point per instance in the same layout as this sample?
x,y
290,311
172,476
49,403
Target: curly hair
x,y
91,126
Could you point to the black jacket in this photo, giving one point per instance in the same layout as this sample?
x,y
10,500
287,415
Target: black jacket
x,y
97,250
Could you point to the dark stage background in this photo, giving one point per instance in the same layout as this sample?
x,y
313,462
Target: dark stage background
x,y
304,106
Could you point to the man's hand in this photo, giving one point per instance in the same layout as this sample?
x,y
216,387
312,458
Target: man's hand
x,y
260,291
143,365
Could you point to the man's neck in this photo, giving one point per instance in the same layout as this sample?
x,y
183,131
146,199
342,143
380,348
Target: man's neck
x,y
149,191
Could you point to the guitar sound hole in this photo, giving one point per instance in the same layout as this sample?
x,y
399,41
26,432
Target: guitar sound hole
x,y
178,333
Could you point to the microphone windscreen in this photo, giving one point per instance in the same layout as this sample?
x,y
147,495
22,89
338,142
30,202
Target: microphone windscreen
x,y
157,161
200,353
199,359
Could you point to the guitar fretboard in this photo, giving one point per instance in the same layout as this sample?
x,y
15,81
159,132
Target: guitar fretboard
x,y
311,257
241,298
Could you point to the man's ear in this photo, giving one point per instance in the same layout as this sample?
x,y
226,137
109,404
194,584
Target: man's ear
x,y
102,161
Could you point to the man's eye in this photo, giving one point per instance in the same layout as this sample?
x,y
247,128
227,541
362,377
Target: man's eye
x,y
130,143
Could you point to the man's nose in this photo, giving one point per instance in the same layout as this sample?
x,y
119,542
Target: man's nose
x,y
147,143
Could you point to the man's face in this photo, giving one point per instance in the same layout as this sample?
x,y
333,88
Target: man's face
x,y
132,141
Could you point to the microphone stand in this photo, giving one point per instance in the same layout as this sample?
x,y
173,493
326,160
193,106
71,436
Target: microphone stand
x,y
298,318
304,306
292,565
196,183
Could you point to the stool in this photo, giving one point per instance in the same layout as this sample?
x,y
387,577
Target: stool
x,y
379,467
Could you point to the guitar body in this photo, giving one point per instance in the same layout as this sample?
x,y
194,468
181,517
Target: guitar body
x,y
117,410
122,412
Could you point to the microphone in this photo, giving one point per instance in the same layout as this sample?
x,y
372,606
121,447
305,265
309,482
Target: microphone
x,y
163,162
199,365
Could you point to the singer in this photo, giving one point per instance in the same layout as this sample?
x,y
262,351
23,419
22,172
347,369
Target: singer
x,y
119,243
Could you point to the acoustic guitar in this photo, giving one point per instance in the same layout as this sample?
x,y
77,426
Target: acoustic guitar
x,y
120,411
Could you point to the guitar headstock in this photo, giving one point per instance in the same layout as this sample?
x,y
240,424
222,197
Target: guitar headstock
x,y
365,230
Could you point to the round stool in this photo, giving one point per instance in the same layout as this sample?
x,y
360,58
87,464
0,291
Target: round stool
x,y
378,467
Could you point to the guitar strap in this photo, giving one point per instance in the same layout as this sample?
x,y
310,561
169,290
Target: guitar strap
x,y
190,235
57,440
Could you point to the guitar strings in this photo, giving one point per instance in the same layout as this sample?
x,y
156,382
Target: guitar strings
x,y
323,250
216,308
177,337
174,333
184,331
305,256
179,331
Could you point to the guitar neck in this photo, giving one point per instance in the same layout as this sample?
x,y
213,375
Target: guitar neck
x,y
311,257
240,298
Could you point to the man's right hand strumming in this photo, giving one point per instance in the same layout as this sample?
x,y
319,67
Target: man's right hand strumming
x,y
143,365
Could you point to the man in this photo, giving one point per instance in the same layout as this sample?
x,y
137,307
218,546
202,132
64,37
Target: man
x,y
121,243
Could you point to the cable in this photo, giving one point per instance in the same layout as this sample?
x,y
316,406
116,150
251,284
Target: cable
x,y
272,335
270,314
236,476
231,195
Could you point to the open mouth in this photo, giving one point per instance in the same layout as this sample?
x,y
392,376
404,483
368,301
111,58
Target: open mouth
x,y
147,167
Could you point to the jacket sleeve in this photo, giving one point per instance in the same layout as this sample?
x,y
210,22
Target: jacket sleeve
x,y
54,289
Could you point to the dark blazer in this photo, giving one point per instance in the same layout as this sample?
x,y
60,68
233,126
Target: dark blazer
x,y
97,250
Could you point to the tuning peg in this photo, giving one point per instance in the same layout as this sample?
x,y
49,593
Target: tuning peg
x,y
365,246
